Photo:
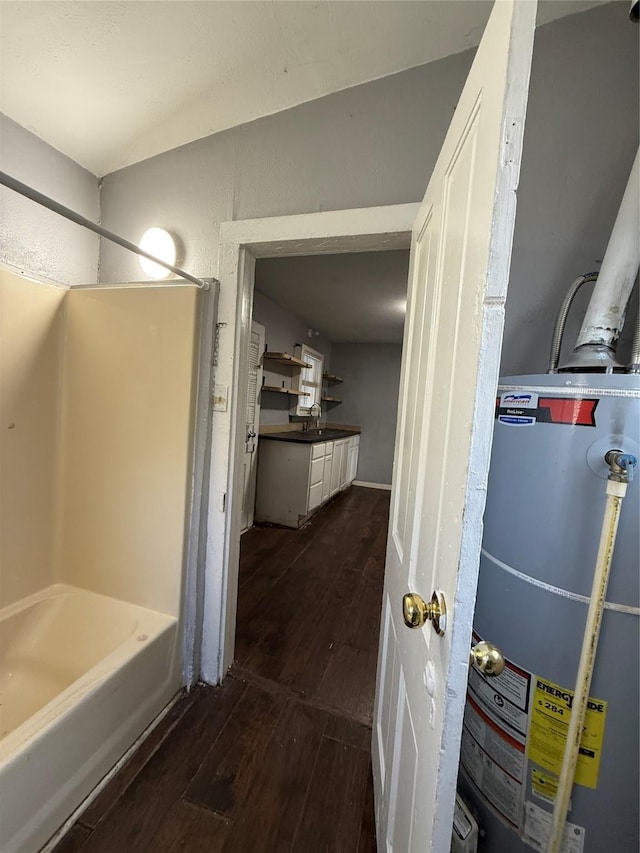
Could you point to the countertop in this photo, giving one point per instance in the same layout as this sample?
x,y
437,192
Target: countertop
x,y
311,436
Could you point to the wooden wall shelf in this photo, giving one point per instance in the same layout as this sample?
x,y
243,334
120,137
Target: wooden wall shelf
x,y
286,359
331,377
326,399
277,390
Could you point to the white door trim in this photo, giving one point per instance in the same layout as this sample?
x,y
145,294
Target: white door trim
x,y
251,455
240,244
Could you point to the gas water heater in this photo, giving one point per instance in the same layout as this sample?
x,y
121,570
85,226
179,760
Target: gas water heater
x,y
555,437
543,519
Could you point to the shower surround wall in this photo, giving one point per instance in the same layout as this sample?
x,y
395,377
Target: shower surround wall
x,y
126,441
97,399
97,410
31,317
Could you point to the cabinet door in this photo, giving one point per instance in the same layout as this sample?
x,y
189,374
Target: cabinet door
x,y
316,476
316,471
354,449
315,496
326,480
344,464
338,453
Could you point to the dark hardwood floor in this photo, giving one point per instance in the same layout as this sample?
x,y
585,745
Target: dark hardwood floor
x,y
277,759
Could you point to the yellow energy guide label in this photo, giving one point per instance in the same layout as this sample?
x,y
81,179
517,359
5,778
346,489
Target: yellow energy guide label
x,y
550,715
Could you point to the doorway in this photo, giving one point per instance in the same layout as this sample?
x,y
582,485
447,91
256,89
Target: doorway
x,y
330,533
241,244
297,635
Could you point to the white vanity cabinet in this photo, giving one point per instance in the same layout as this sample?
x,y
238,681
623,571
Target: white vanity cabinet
x,y
295,478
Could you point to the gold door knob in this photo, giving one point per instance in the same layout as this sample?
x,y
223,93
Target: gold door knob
x,y
487,658
416,611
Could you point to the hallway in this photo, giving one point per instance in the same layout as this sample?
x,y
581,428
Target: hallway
x,y
277,759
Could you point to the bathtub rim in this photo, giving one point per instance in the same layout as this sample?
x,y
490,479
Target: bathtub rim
x,y
37,726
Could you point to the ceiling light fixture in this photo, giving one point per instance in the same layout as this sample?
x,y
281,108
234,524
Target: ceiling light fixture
x,y
158,242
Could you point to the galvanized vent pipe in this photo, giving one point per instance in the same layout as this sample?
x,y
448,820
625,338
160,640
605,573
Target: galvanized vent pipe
x,y
596,344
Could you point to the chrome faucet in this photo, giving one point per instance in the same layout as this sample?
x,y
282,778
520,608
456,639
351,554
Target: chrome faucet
x,y
311,417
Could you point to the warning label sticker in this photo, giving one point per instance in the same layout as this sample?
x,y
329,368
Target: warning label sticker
x,y
498,745
504,698
544,785
500,789
494,736
537,826
500,701
550,716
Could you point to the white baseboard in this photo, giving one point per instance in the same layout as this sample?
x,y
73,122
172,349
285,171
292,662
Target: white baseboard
x,y
384,486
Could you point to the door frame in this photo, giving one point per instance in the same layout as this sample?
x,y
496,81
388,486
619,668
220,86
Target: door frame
x,y
256,427
241,243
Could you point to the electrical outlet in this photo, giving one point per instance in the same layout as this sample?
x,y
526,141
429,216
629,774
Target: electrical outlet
x,y
220,396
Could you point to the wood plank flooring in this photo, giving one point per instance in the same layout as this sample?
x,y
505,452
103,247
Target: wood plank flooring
x,y
277,759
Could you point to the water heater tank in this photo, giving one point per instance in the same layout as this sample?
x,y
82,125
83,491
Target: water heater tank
x,y
543,518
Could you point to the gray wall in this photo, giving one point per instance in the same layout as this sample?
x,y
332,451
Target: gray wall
x,y
283,331
33,239
580,138
368,145
376,144
369,395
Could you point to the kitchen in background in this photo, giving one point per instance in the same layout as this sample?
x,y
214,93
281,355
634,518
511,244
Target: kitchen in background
x,y
349,309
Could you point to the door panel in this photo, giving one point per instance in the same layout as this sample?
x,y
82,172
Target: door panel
x,y
422,328
338,450
403,782
326,480
460,256
315,496
344,464
317,471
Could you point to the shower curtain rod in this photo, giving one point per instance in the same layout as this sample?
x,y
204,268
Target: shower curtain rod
x,y
56,207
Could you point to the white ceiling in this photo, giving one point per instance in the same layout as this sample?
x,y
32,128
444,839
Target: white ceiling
x,y
351,298
112,83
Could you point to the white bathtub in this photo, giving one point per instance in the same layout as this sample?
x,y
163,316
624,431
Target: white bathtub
x,y
81,676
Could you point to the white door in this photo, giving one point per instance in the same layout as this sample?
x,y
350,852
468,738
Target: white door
x,y
254,383
460,256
